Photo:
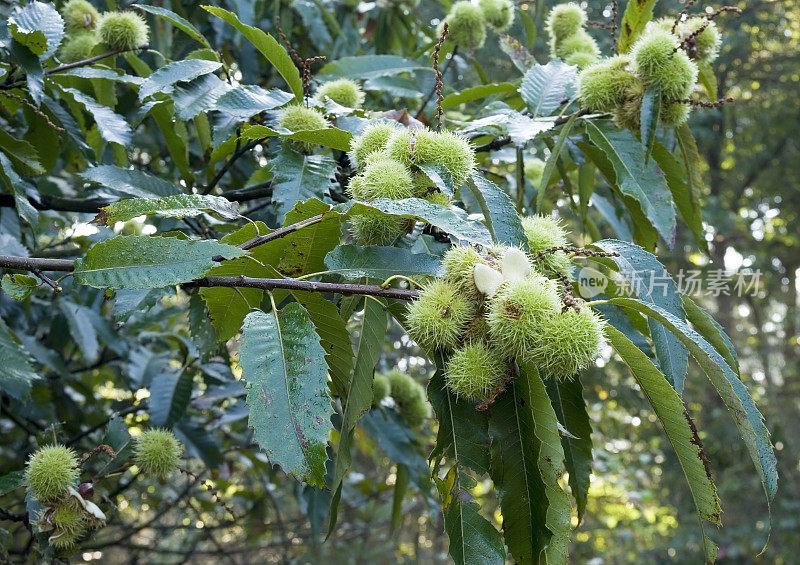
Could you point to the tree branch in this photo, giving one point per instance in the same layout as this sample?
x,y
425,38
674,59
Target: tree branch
x,y
82,63
93,205
40,264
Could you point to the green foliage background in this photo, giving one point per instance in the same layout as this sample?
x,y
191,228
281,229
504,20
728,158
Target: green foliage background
x,y
97,372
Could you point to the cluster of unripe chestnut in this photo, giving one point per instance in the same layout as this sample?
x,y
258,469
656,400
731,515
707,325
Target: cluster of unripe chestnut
x,y
569,40
492,307
86,28
52,474
408,396
665,56
467,21
386,156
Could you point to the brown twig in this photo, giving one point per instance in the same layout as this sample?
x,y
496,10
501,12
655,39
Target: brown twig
x,y
682,13
303,64
704,103
212,490
47,280
82,63
438,82
35,109
102,448
229,163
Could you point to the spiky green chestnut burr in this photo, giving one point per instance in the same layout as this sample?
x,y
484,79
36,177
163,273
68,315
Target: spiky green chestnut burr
x,y
373,138
297,117
438,197
383,177
439,316
499,14
564,20
568,342
603,85
78,46
578,42
342,91
50,471
69,518
123,30
68,523
157,453
409,396
674,114
475,371
375,229
518,312
660,61
79,15
466,25
458,264
413,147
581,59
380,388
546,232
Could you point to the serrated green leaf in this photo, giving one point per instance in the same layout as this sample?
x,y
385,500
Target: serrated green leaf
x,y
112,127
372,332
245,101
733,392
685,201
651,108
567,398
710,329
227,307
476,93
550,461
379,262
370,66
439,176
305,249
177,206
34,72
635,18
199,443
449,219
515,473
129,182
11,481
267,46
175,20
299,177
552,161
327,137
17,286
199,95
334,336
170,393
473,539
463,431
164,79
201,329
82,330
37,26
290,410
21,154
500,215
693,164
636,178
651,283
17,374
142,261
677,424
545,87
515,50
107,74
391,432
707,78
400,86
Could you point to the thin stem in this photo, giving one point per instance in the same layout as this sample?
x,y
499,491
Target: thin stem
x,y
229,163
